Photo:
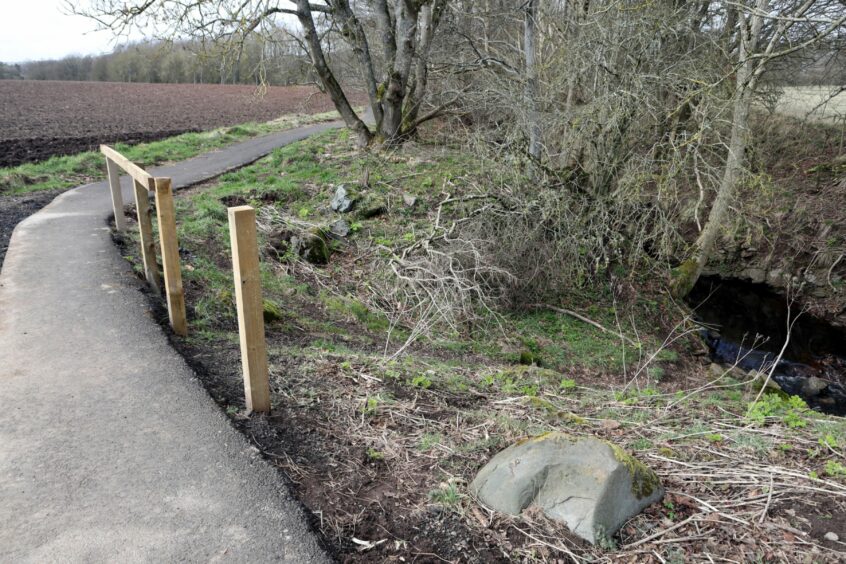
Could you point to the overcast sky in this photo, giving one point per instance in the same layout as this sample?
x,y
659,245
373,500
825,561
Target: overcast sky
x,y
38,29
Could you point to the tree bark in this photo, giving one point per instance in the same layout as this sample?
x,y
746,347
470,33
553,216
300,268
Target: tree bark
x,y
750,30
531,90
318,61
406,12
354,32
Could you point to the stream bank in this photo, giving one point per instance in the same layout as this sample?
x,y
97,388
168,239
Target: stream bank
x,y
747,324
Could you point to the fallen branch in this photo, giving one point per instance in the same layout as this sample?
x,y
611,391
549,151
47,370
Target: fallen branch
x,y
661,533
586,320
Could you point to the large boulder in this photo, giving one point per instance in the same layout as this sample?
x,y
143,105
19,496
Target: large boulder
x,y
591,485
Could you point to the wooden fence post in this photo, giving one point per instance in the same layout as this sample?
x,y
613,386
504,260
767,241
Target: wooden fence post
x,y
117,196
170,256
148,246
245,264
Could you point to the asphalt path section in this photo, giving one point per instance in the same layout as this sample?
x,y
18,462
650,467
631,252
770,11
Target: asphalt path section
x,y
110,448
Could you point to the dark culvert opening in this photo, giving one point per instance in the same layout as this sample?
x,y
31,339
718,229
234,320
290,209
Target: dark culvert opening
x,y
747,324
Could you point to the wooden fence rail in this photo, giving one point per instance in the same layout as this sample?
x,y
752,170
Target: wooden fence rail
x,y
143,183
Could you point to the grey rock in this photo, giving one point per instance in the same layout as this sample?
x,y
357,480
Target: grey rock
x,y
758,379
831,536
775,277
342,200
813,386
715,370
340,228
718,371
755,275
409,200
591,485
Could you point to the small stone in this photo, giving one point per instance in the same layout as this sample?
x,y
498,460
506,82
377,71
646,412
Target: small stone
x,y
831,536
342,200
813,386
409,200
610,424
759,378
775,277
340,228
591,485
754,275
716,370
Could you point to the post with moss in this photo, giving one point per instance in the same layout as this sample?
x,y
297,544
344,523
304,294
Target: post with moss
x,y
170,256
245,265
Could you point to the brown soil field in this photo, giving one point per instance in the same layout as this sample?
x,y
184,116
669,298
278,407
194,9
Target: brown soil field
x,y
39,119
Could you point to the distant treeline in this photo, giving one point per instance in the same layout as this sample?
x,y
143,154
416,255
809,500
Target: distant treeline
x,y
276,62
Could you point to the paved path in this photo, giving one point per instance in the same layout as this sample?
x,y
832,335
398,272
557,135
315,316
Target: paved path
x,y
110,449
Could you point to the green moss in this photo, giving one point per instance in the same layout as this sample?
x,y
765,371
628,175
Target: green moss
x,y
370,205
644,480
684,277
272,311
317,249
527,358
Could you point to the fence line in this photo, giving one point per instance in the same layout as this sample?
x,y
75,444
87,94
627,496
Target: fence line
x,y
245,267
142,184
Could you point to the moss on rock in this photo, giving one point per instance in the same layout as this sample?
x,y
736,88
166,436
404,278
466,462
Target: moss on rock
x,y
684,277
644,480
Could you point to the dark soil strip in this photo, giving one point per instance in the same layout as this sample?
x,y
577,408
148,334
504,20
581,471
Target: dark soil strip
x,y
18,151
14,209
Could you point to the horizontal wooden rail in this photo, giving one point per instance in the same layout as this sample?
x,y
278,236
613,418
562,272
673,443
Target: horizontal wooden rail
x,y
140,175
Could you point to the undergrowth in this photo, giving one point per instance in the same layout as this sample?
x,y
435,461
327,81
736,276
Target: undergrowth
x,y
418,420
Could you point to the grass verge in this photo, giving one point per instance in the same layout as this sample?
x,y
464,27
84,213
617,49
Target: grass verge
x,y
73,170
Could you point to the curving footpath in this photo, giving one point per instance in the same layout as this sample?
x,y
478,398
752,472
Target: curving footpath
x,y
110,449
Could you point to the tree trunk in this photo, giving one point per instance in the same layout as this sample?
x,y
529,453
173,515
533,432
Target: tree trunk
x,y
689,272
391,130
531,91
327,77
354,33
414,98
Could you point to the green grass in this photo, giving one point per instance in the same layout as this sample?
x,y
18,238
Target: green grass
x,y
562,342
69,171
297,181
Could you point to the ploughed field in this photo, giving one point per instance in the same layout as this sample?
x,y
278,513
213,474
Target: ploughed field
x,y
39,119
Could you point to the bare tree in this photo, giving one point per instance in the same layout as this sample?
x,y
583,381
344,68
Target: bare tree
x,y
785,28
394,77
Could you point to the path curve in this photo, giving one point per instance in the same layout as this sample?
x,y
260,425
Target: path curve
x,y
110,449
